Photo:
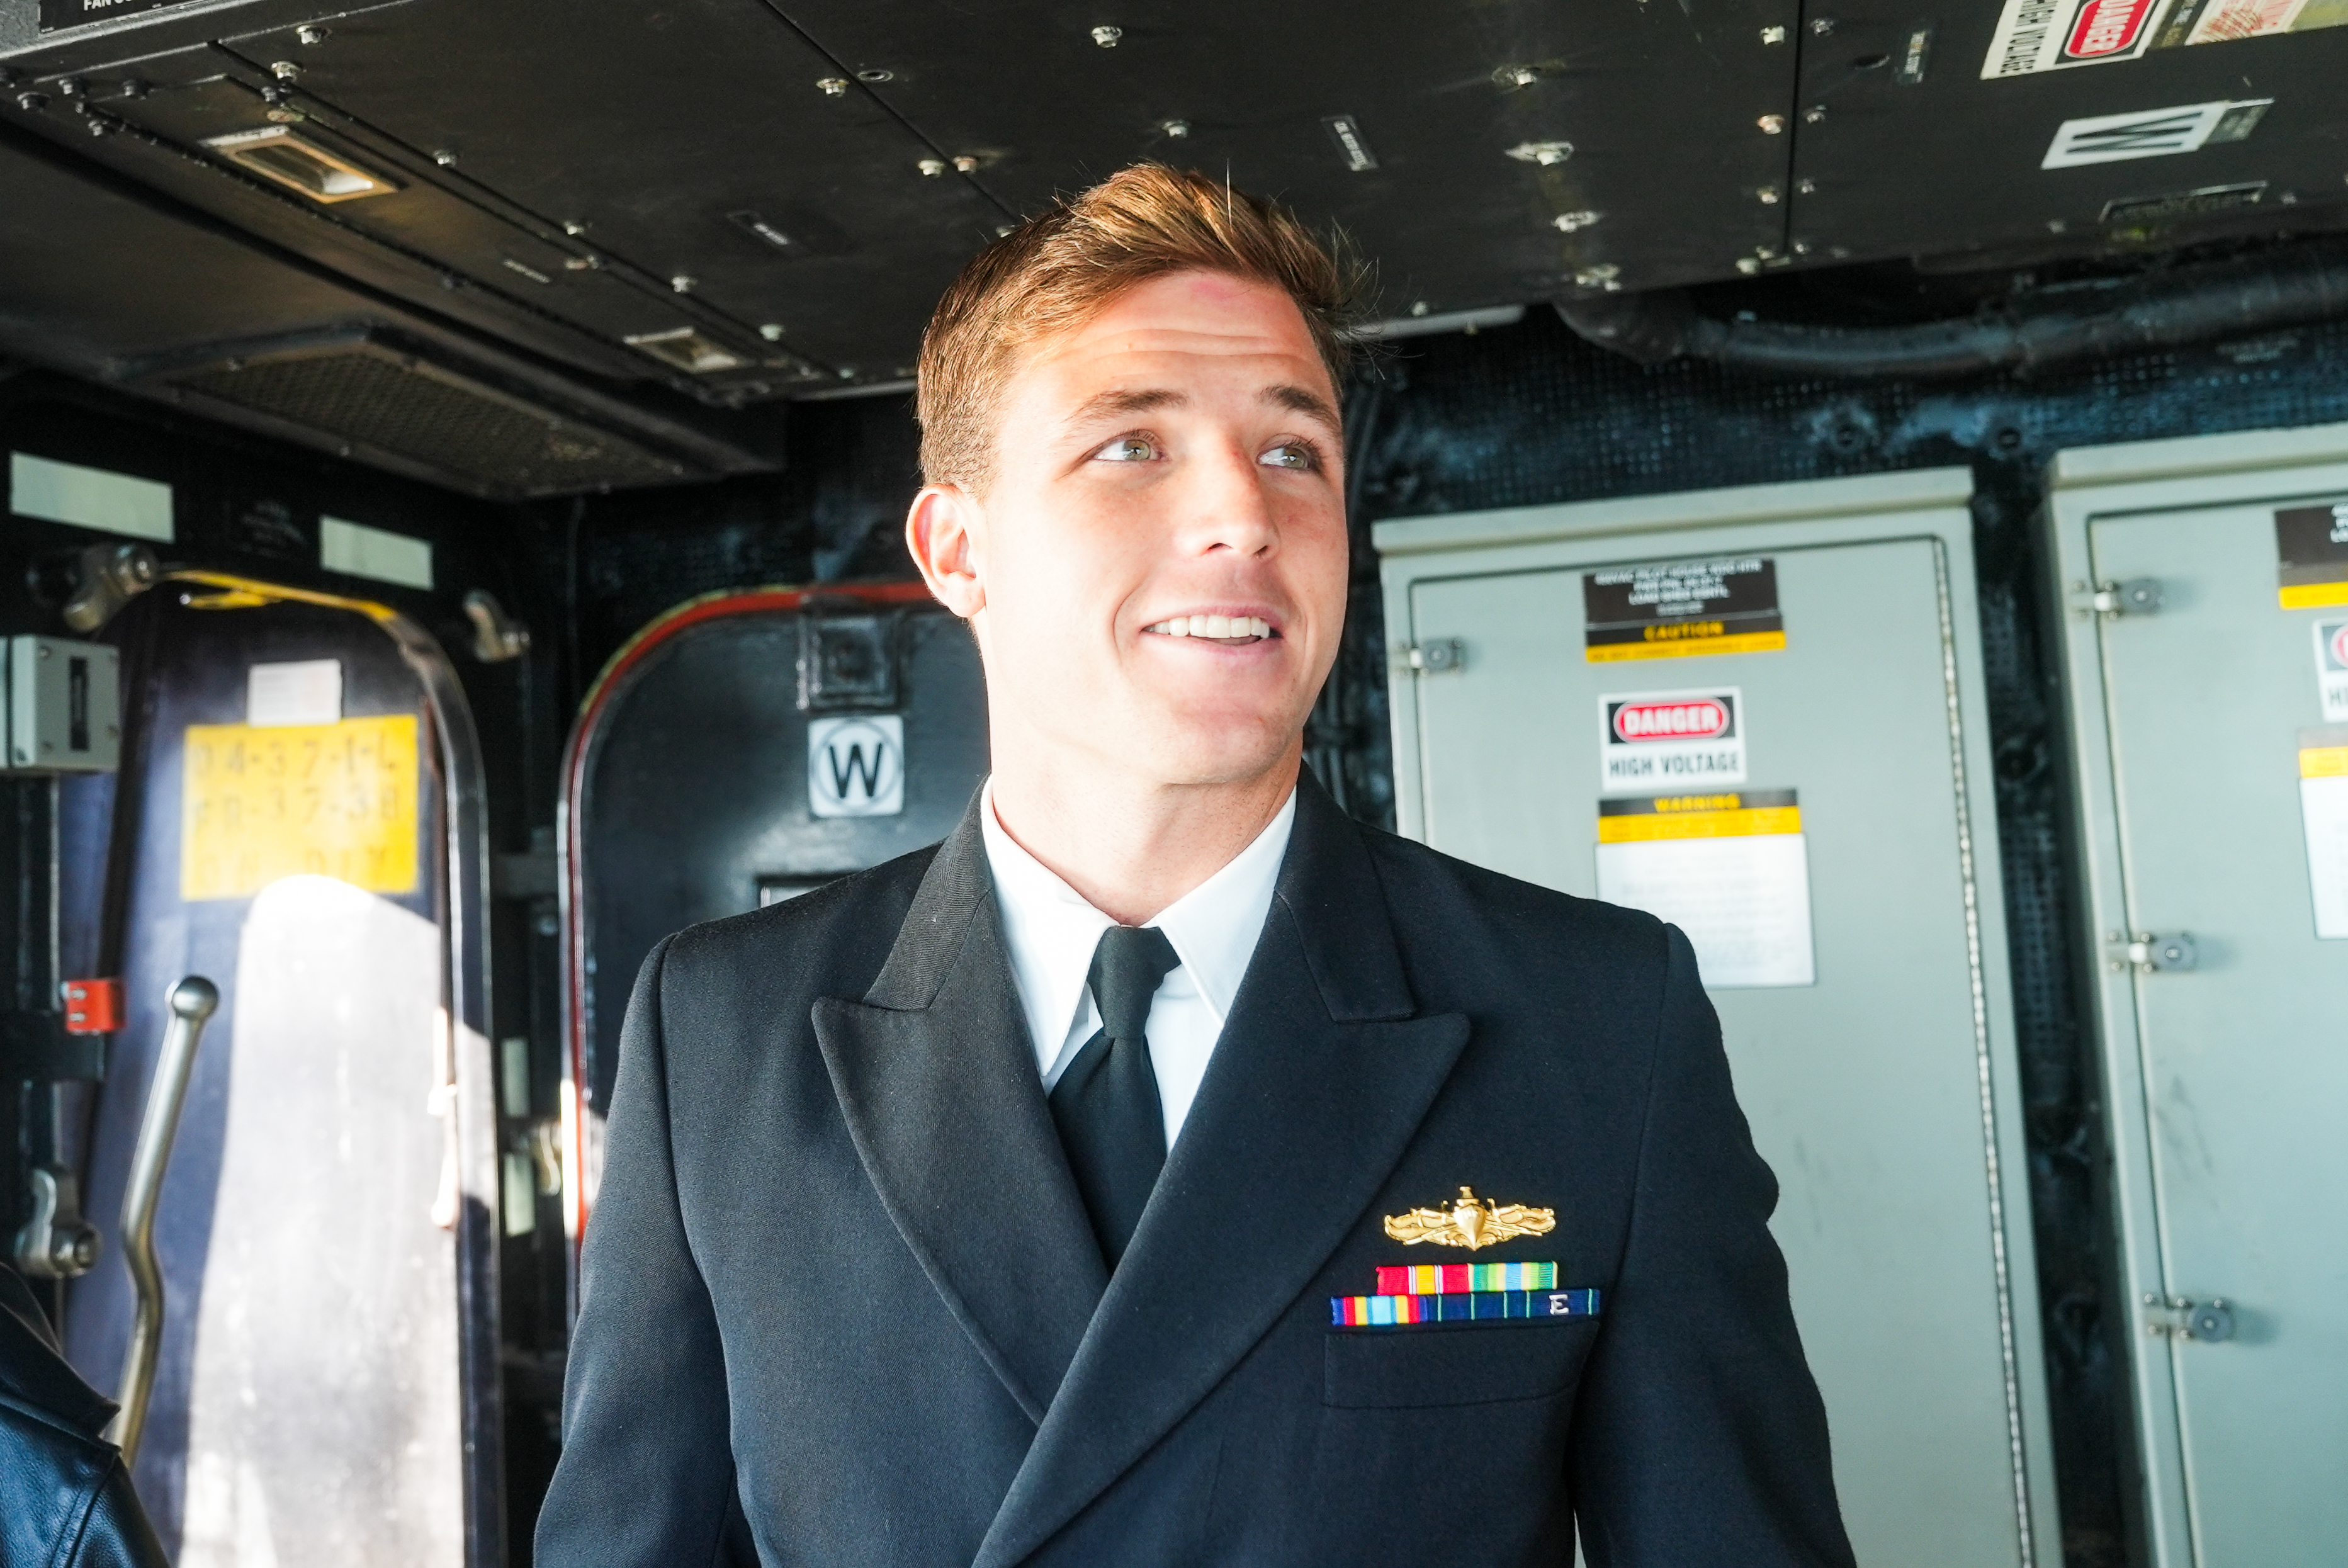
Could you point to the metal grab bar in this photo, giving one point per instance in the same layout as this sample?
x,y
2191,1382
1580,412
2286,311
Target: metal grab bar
x,y
192,1001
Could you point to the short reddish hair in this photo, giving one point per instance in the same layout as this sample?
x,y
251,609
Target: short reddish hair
x,y
1054,271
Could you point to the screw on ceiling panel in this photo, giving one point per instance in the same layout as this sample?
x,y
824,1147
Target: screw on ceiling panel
x,y
1806,187
1773,35
1418,307
1771,124
1106,38
1516,76
1822,26
772,332
103,125
1768,195
1766,252
874,76
1544,153
963,163
72,86
931,166
575,227
1176,128
1747,264
1605,276
1801,247
444,158
32,101
578,264
1572,222
681,283
2055,226
134,87
833,87
1814,115
285,70
310,32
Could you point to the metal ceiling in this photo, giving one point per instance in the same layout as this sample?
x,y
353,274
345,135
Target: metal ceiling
x,y
675,209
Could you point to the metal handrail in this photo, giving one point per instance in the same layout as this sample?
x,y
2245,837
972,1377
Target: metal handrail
x,y
192,1001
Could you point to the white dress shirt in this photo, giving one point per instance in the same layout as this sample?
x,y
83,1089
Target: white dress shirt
x,y
1052,932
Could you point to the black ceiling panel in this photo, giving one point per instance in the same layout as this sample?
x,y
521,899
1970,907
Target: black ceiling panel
x,y
648,127
1930,159
1672,171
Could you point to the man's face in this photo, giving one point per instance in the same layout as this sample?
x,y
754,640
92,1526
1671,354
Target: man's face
x,y
1158,565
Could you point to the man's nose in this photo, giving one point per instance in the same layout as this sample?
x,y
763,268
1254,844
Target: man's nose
x,y
1227,505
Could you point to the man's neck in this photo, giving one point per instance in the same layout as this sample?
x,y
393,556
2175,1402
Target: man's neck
x,y
1130,847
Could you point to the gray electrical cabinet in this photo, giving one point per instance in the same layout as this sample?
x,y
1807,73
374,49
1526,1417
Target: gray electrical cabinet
x,y
2205,585
1758,712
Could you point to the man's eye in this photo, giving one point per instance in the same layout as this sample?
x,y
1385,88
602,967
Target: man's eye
x,y
1129,450
1290,455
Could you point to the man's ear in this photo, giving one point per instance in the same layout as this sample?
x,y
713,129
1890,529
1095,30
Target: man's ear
x,y
942,531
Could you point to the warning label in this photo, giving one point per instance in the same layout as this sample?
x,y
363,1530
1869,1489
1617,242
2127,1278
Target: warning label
x,y
2331,669
1670,739
1677,608
2312,555
1731,868
2035,35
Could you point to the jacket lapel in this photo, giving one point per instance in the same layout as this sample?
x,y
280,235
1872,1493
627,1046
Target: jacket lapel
x,y
1319,1080
938,1083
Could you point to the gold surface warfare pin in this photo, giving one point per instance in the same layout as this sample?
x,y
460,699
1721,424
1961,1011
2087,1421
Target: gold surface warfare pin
x,y
1470,1222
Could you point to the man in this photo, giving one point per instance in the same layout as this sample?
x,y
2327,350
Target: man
x,y
1039,1198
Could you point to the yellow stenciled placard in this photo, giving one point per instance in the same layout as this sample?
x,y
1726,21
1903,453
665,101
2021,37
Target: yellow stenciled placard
x,y
258,804
2323,761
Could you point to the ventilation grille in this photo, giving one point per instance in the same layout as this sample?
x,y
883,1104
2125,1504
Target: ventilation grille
x,y
379,403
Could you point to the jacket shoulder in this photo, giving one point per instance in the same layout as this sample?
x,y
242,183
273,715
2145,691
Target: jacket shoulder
x,y
849,918
1416,875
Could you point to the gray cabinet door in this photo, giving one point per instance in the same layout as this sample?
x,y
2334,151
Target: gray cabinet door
x,y
2240,1062
1869,1088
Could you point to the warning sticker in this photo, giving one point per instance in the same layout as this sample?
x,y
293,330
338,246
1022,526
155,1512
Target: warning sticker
x,y
258,804
1676,607
1730,868
1670,739
2331,669
2035,35
2323,813
2312,555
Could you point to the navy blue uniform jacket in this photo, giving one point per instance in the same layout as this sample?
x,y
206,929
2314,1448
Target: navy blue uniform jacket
x,y
841,1304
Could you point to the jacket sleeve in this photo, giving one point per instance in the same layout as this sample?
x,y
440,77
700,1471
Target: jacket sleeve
x,y
646,1476
1699,1436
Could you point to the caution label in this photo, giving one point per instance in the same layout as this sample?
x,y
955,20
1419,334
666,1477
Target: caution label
x,y
2323,816
1727,814
2034,35
1670,739
2312,555
1672,608
260,804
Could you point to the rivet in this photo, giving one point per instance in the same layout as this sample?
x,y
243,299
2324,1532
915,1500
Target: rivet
x,y
1801,247
1768,195
1516,76
72,86
2055,226
772,332
875,76
1106,38
575,227
1176,128
1747,264
1772,123
833,87
444,158
1418,307
576,264
286,71
963,163
310,32
35,102
1806,187
681,283
1822,27
1773,35
1571,222
1814,115
931,166
133,88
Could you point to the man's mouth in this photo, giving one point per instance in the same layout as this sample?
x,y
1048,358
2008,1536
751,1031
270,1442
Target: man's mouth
x,y
1232,631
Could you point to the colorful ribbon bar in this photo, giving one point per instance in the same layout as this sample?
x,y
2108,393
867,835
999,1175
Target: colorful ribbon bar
x,y
1450,1279
1459,1306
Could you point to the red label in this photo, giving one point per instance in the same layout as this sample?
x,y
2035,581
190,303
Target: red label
x,y
1686,718
2108,28
93,1006
2339,647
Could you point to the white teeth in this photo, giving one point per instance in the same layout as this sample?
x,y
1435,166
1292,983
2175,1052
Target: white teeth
x,y
1226,627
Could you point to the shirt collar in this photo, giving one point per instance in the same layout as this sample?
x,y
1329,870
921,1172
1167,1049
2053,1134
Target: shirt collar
x,y
1052,931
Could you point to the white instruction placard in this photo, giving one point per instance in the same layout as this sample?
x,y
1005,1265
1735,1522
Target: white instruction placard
x,y
1730,869
1650,741
2323,813
300,691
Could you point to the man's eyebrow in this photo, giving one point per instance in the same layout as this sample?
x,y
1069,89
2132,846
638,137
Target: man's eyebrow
x,y
1306,401
1118,401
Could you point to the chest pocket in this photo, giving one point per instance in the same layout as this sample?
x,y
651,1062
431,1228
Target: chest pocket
x,y
1472,1364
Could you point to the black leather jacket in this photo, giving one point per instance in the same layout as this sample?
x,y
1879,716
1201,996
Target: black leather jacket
x,y
65,1498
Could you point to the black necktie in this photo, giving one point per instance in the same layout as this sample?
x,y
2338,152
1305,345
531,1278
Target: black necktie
x,y
1105,1104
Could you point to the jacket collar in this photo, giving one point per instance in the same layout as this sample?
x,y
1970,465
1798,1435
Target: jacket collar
x,y
937,1080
